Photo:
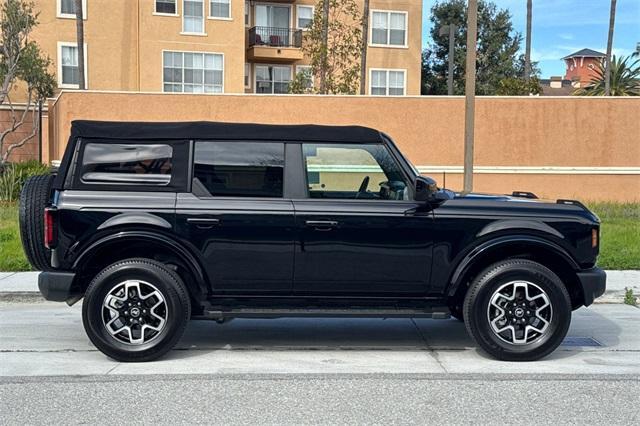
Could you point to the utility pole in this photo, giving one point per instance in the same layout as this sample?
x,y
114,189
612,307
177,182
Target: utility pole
x,y
470,94
451,30
325,46
80,43
607,73
365,40
527,52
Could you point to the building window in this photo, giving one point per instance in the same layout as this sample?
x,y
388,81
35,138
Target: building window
x,y
193,72
67,9
247,76
167,7
387,82
247,14
306,74
68,72
239,169
220,9
389,28
272,79
193,16
305,16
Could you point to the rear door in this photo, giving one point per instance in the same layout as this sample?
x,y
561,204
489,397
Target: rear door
x,y
361,233
237,217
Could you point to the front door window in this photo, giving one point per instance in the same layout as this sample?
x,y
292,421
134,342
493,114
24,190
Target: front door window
x,y
272,25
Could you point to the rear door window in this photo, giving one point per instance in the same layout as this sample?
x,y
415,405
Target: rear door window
x,y
239,169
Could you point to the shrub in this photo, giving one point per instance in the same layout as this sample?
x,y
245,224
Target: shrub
x,y
13,176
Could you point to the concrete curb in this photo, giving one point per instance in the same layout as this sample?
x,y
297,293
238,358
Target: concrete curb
x,y
16,286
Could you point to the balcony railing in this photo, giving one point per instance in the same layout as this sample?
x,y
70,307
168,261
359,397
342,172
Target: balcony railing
x,y
275,37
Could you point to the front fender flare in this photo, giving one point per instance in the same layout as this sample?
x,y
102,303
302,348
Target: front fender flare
x,y
468,260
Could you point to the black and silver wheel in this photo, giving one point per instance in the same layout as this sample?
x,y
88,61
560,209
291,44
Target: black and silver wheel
x,y
517,310
136,310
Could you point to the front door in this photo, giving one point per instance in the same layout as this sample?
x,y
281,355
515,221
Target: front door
x,y
360,232
237,218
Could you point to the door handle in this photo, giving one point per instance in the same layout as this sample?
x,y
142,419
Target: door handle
x,y
203,222
321,225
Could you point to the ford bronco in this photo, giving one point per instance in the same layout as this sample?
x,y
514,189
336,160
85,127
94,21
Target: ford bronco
x,y
157,223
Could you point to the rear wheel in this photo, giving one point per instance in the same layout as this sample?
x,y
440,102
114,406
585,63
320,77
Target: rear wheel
x,y
136,310
517,310
35,195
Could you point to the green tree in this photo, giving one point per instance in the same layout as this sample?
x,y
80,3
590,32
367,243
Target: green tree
x,y
21,61
512,86
336,62
625,79
497,55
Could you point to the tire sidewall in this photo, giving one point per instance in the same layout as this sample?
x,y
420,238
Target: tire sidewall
x,y
538,275
177,310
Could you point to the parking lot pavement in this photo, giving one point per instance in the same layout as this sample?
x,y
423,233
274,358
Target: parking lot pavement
x,y
47,339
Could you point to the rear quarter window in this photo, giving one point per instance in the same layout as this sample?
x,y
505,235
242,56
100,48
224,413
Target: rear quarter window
x,y
130,165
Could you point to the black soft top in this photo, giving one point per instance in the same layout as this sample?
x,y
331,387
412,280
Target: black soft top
x,y
216,130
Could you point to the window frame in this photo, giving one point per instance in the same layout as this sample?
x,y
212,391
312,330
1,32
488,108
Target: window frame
x,y
61,15
221,18
247,14
393,152
255,74
204,20
155,10
285,178
61,84
304,6
387,70
388,45
162,82
248,75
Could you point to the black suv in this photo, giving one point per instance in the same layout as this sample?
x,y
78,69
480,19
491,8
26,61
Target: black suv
x,y
157,223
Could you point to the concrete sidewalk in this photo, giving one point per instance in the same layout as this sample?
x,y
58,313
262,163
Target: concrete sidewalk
x,y
25,285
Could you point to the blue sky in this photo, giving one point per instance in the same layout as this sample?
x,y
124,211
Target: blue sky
x,y
561,27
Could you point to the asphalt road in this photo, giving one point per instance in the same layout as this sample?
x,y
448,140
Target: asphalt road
x,y
303,371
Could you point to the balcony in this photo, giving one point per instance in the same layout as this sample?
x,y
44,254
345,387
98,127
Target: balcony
x,y
275,44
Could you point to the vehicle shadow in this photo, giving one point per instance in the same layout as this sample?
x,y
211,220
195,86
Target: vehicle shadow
x,y
592,329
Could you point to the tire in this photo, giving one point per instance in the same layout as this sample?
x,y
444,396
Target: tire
x,y
525,337
35,195
156,283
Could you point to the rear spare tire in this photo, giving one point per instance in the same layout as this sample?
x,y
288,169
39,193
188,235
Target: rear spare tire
x,y
35,195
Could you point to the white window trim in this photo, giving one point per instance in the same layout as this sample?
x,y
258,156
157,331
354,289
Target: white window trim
x,y
248,67
313,12
224,70
164,14
263,3
216,18
61,85
247,12
61,15
255,83
204,20
404,82
389,12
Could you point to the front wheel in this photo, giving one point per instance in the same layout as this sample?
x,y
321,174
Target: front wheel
x,y
517,310
136,310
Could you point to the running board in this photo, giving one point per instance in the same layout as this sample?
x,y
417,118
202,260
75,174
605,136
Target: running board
x,y
214,314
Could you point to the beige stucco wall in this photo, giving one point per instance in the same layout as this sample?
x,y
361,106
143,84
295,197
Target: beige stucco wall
x,y
514,132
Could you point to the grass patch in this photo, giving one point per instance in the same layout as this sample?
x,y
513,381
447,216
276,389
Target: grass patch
x,y
619,249
11,255
619,235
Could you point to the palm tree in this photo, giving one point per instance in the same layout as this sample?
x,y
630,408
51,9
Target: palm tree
x,y
624,80
607,77
80,42
527,53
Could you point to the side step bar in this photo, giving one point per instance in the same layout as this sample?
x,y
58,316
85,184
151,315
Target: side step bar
x,y
215,314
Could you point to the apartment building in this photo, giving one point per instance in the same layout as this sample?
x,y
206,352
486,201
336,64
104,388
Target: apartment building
x,y
217,46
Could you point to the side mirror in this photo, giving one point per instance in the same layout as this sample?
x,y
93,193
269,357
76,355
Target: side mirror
x,y
426,188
